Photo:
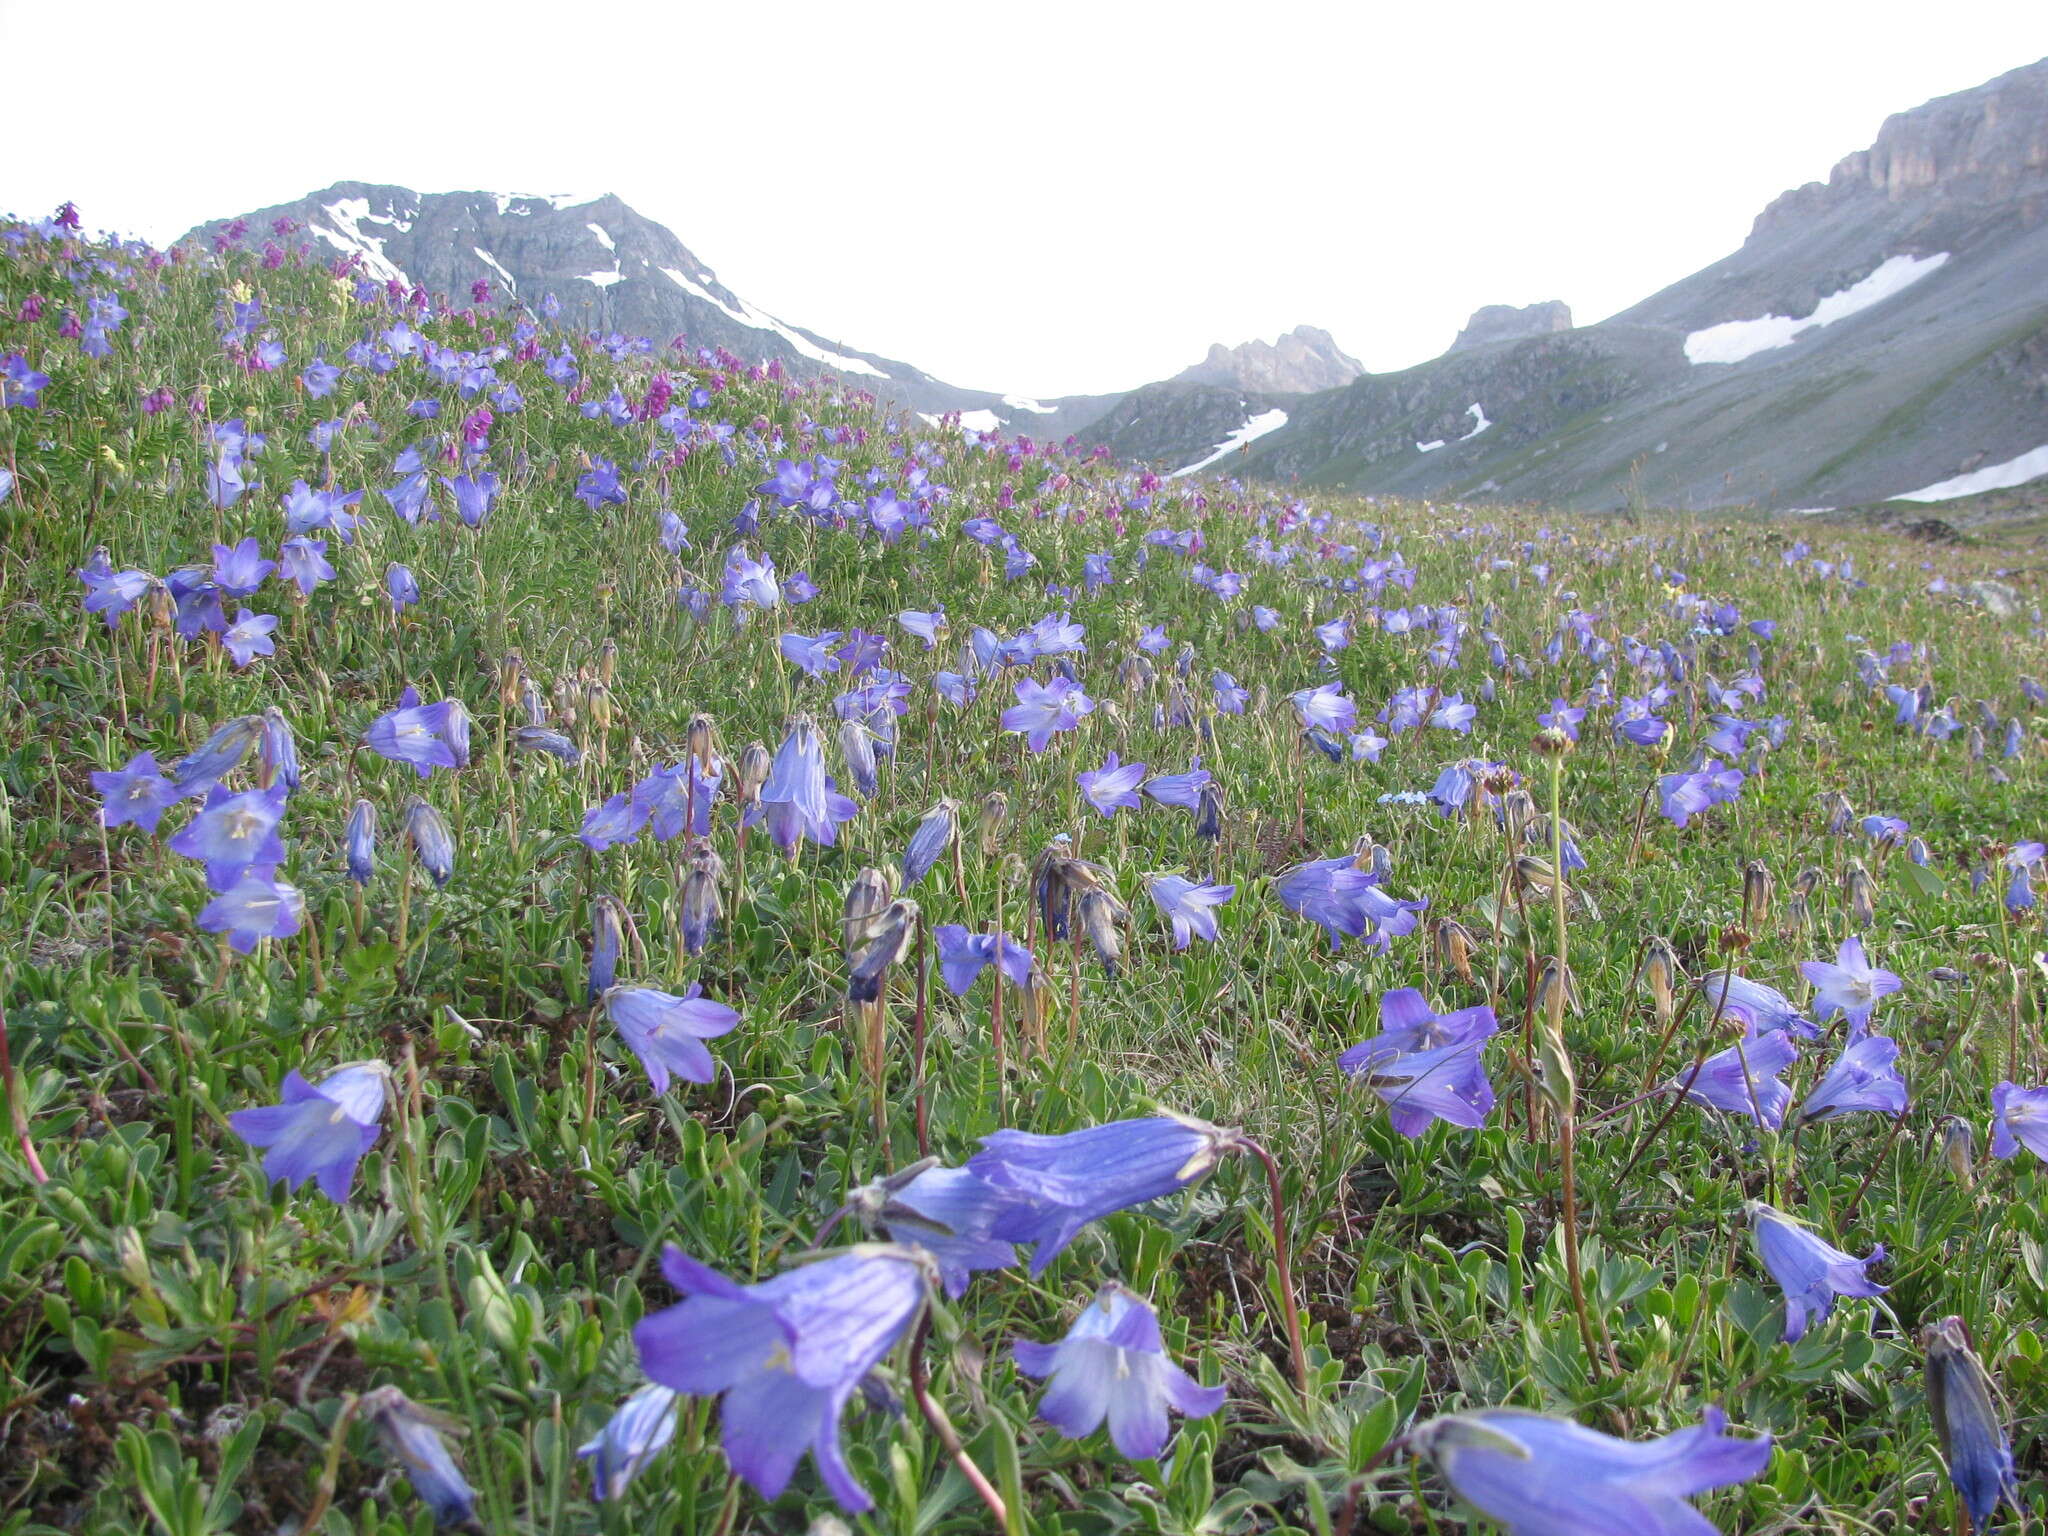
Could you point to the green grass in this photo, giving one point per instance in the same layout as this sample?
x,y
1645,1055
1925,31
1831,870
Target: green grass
x,y
178,1340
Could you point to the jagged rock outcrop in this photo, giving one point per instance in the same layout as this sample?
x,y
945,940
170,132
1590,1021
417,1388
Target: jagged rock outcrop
x,y
1504,322
1300,362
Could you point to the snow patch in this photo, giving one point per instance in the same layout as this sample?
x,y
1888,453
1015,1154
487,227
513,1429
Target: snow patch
x,y
746,314
348,214
1019,402
492,262
604,279
1430,447
1250,432
603,237
1992,477
1736,340
980,421
1479,422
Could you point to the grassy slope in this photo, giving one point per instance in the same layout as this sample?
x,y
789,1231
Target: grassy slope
x,y
155,1294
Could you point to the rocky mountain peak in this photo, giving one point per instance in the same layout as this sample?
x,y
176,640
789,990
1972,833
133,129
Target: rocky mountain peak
x,y
1301,362
1504,322
1984,147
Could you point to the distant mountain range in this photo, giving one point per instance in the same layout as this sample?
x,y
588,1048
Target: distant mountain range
x,y
1880,333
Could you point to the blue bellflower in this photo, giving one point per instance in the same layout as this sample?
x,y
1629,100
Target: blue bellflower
x,y
786,1355
319,1132
1542,1476
1812,1271
1073,1179
1113,1364
668,1032
619,1452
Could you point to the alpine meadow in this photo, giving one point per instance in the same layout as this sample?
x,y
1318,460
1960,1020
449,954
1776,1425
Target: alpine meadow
x,y
603,936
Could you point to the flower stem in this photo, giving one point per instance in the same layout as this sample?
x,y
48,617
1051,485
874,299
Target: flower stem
x,y
920,1389
1283,1263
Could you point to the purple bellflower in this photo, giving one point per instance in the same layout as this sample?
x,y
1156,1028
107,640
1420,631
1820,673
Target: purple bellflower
x,y
137,794
1542,1476
1852,986
1043,710
412,1436
620,1451
1864,1076
234,832
2019,1118
1113,1364
1426,1066
950,1213
964,954
1113,786
257,905
1811,1271
668,1032
786,1355
1189,907
319,1132
425,736
1073,1179
1743,1080
1325,708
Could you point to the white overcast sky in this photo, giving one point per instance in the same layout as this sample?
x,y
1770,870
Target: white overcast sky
x,y
1048,198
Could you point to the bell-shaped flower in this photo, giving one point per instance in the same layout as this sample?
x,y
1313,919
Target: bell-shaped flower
x,y
1073,1179
617,820
1964,1404
137,794
1113,786
249,637
950,1213
234,832
221,752
668,1032
1325,708
256,906
303,562
1761,1009
933,836
619,1452
1541,1476
1188,906
2019,1118
359,842
962,956
412,1436
1743,1080
319,1132
1180,790
1864,1076
425,736
812,653
798,800
786,1355
1811,1270
431,841
1043,710
1113,1364
239,569
1426,1066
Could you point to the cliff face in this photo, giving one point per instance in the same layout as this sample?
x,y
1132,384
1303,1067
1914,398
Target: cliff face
x,y
1301,362
1984,149
1504,322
